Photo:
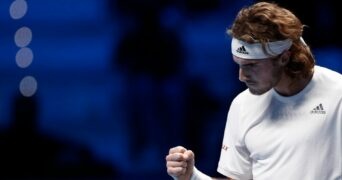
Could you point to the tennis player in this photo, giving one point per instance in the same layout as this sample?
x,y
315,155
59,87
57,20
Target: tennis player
x,y
288,124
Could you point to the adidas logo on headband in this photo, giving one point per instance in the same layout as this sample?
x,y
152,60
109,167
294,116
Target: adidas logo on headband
x,y
242,50
246,50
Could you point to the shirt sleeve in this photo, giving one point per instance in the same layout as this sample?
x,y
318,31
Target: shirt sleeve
x,y
234,159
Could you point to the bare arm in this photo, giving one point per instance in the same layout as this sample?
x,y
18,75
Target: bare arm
x,y
180,165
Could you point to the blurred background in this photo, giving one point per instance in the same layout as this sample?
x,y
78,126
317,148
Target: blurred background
x,y
101,89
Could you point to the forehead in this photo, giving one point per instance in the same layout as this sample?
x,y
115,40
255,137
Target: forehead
x,y
242,61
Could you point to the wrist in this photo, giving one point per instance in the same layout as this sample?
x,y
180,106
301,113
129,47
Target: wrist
x,y
198,175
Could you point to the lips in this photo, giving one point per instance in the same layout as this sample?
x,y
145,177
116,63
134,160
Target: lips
x,y
250,83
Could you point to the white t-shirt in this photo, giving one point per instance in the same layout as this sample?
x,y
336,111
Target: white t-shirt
x,y
272,137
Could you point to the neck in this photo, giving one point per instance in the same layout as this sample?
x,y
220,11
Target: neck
x,y
288,86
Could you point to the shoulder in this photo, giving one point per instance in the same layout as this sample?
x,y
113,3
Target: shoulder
x,y
327,76
246,98
323,72
241,97
328,80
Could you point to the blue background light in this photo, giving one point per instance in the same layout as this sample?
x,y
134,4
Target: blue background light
x,y
114,94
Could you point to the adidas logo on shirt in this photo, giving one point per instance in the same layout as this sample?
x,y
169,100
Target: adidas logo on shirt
x,y
318,110
242,50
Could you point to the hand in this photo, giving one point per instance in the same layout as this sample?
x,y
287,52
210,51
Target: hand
x,y
180,163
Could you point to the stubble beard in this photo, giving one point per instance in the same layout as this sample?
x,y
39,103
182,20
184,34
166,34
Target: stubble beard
x,y
276,74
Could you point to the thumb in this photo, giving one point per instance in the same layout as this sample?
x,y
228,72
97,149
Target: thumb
x,y
189,156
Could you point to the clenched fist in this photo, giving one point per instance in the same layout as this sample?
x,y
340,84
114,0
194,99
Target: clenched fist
x,y
180,163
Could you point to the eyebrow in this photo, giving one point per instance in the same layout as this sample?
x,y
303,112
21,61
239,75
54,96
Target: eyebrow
x,y
246,63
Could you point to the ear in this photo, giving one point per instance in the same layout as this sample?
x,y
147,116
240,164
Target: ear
x,y
285,58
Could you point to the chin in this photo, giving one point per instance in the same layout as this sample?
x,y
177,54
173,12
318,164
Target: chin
x,y
257,92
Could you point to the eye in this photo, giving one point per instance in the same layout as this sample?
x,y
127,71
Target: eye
x,y
249,65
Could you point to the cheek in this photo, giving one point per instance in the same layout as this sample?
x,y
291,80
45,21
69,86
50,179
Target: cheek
x,y
265,75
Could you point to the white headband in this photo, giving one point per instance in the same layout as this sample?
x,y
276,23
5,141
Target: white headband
x,y
246,50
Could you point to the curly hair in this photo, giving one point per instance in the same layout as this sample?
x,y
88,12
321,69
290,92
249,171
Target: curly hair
x,y
266,22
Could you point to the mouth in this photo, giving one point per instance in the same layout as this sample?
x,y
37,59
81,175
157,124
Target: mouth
x,y
250,83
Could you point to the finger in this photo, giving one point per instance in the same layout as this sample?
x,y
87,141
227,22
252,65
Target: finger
x,y
175,157
188,155
176,171
182,164
178,149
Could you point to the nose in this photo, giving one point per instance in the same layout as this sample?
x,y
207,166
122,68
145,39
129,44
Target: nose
x,y
243,75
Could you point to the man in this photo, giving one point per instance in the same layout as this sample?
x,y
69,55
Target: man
x,y
287,125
